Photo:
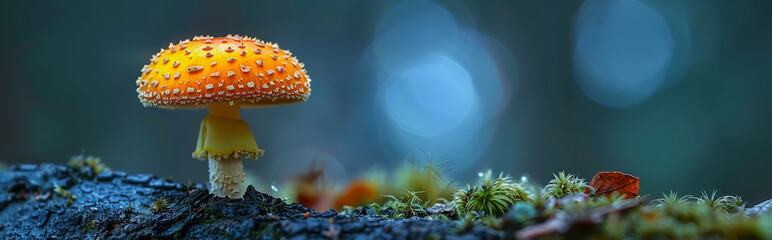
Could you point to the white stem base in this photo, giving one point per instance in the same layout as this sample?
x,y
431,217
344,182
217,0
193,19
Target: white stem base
x,y
225,177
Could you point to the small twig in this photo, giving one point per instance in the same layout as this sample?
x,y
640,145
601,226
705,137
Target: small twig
x,y
562,222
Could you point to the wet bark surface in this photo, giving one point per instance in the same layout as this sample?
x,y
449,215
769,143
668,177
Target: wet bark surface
x,y
50,201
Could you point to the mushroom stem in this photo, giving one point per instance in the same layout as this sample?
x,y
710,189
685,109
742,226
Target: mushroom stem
x,y
226,176
224,140
225,109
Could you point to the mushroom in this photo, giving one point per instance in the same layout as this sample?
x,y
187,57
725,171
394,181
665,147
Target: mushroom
x,y
223,74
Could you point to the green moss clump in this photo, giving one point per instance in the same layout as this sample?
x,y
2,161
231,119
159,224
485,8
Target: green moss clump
x,y
670,200
347,210
466,222
407,206
613,198
89,226
64,193
564,184
426,178
213,215
160,205
728,204
95,163
688,217
492,197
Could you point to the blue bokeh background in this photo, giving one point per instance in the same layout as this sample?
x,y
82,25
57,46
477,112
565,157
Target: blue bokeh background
x,y
675,92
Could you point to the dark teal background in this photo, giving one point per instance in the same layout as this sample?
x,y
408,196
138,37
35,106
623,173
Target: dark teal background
x,y
68,71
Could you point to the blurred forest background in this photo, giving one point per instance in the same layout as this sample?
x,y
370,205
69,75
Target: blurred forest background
x,y
675,92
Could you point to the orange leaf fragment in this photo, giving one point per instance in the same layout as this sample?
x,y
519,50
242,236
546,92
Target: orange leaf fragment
x,y
356,193
606,183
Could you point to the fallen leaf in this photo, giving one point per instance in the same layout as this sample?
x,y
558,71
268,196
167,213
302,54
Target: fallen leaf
x,y
606,183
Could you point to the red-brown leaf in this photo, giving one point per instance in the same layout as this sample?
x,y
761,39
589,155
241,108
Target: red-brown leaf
x,y
606,183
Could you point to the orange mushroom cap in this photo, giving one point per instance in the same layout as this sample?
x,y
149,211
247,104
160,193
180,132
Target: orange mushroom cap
x,y
208,70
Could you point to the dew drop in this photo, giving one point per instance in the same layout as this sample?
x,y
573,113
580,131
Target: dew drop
x,y
274,188
480,174
523,178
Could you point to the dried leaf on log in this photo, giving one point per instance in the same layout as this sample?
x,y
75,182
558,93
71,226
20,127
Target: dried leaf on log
x,y
606,183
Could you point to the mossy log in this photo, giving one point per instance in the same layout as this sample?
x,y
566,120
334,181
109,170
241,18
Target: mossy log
x,y
50,201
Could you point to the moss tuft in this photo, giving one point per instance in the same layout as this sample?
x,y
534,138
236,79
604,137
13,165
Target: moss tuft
x,y
671,200
407,206
64,193
730,204
89,226
493,197
564,184
95,163
423,177
160,205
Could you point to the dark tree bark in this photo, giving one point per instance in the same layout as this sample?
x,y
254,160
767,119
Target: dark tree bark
x,y
115,205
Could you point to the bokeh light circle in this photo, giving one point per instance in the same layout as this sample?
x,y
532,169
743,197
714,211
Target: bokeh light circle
x,y
431,98
439,86
623,50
